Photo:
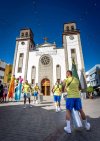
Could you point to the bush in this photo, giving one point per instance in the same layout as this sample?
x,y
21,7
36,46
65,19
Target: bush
x,y
90,89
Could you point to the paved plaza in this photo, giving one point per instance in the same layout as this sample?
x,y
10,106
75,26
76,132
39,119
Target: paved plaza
x,y
42,123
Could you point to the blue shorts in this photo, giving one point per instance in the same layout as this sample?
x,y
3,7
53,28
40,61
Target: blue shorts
x,y
73,103
57,98
27,95
35,94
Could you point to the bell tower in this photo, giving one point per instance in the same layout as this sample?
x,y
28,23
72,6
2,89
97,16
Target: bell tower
x,y
73,49
24,44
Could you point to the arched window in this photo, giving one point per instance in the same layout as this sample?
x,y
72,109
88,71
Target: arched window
x,y
22,34
20,62
33,74
67,28
72,27
26,34
58,72
74,56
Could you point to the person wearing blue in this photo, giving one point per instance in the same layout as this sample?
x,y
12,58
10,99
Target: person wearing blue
x,y
18,89
57,90
73,101
35,93
16,92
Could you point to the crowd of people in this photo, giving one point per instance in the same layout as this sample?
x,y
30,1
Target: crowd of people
x,y
16,89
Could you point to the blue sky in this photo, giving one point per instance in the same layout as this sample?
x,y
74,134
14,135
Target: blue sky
x,y
46,18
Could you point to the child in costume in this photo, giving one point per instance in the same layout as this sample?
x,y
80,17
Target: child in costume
x,y
35,93
11,88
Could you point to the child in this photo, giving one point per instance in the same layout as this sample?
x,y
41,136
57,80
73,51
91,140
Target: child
x,y
35,93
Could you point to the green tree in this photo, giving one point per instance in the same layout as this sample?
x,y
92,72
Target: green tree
x,y
90,89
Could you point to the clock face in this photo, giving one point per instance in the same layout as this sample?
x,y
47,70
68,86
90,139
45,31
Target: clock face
x,y
23,43
71,37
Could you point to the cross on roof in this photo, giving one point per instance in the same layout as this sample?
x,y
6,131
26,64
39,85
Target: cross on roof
x,y
45,39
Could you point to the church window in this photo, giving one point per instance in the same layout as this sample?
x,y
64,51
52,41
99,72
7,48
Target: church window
x,y
72,27
67,28
26,34
33,74
20,63
58,72
22,34
19,70
72,50
74,56
45,60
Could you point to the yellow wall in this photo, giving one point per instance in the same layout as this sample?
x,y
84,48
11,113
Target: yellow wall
x,y
8,70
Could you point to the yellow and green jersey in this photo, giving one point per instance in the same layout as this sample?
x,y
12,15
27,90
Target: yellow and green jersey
x,y
26,88
73,88
36,88
57,89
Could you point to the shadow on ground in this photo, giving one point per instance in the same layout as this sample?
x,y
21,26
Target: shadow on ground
x,y
38,124
82,135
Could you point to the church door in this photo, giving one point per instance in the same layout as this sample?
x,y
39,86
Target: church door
x,y
45,87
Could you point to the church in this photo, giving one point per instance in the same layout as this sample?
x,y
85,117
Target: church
x,y
45,63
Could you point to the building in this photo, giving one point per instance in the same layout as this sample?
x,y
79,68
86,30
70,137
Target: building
x,y
45,63
93,76
7,73
2,69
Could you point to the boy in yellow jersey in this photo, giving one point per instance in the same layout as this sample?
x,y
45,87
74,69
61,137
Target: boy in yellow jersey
x,y
73,100
27,93
57,89
35,93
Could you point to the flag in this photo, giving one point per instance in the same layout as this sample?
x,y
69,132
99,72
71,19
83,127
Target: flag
x,y
75,114
74,70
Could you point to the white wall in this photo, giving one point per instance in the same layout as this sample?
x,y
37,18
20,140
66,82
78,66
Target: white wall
x,y
33,61
74,44
59,59
21,49
2,65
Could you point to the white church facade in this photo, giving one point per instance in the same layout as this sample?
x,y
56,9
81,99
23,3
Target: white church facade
x,y
45,63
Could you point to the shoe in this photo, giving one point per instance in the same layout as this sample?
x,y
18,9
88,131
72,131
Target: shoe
x,y
59,109
24,107
30,106
88,126
56,110
36,102
67,130
33,102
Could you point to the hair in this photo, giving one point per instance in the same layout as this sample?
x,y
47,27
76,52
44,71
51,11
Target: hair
x,y
70,72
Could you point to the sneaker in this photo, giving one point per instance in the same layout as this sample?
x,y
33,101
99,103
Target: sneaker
x,y
88,126
36,102
67,130
56,110
24,106
59,109
30,106
33,102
